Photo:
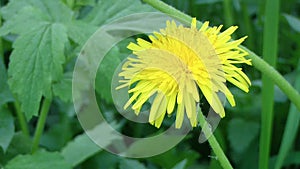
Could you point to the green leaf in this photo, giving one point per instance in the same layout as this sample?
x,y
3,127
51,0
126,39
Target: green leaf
x,y
16,24
80,31
7,128
105,11
63,89
241,133
55,10
15,148
33,12
78,150
127,163
34,66
5,94
38,55
39,160
293,22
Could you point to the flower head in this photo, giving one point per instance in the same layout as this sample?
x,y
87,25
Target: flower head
x,y
178,64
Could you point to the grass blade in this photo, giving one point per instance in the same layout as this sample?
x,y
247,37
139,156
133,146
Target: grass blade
x,y
291,127
270,46
228,13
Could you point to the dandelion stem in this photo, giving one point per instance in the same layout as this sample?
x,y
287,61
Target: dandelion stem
x,y
41,124
257,62
274,75
221,157
163,7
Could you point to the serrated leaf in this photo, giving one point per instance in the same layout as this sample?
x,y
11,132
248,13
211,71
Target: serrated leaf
x,y
38,54
56,10
78,150
105,12
5,94
241,133
35,65
16,25
39,160
33,12
80,31
293,22
127,163
7,128
63,89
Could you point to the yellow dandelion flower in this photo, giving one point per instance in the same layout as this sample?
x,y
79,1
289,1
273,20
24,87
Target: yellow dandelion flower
x,y
177,64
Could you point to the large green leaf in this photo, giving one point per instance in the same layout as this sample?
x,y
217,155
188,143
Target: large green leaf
x,y
35,65
39,160
78,150
7,128
38,55
80,31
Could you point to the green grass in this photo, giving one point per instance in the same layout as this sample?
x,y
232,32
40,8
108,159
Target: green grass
x,y
291,128
270,52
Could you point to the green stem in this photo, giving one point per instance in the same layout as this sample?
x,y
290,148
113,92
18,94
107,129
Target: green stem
x,y
169,10
257,62
274,75
41,124
221,157
21,118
